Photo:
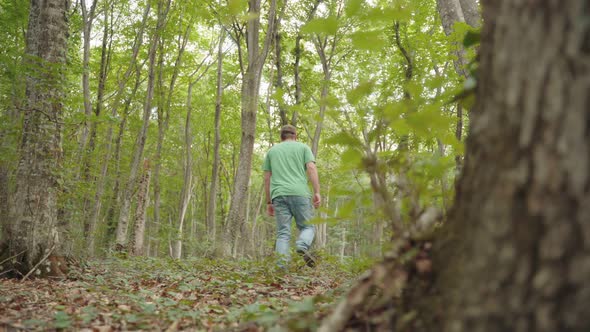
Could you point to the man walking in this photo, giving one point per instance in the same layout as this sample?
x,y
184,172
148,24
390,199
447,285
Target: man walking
x,y
287,168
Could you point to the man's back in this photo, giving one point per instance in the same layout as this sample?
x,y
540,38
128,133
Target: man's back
x,y
287,162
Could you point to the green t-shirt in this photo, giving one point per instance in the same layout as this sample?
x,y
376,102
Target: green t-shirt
x,y
287,161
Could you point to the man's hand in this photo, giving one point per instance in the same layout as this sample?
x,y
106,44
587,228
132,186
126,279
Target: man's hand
x,y
270,209
317,200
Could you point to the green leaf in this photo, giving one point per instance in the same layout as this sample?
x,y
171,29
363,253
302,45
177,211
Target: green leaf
x,y
353,7
360,91
472,37
322,26
62,320
345,139
236,6
368,40
351,158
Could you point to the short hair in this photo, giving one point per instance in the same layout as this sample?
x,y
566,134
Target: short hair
x,y
288,131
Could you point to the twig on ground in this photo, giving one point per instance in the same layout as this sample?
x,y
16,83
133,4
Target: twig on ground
x,y
7,271
37,265
13,256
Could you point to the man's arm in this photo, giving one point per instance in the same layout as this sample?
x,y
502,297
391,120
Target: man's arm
x,y
312,174
269,207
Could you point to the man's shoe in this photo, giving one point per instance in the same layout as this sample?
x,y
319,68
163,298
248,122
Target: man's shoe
x,y
307,257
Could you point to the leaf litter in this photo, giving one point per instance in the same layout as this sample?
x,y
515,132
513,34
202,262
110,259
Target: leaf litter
x,y
169,295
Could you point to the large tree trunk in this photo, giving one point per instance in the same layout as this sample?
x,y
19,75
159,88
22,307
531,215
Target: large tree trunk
x,y
34,235
249,105
513,255
519,232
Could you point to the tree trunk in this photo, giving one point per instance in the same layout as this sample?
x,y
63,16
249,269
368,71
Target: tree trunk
x,y
121,235
521,244
451,12
87,19
185,193
471,14
92,221
212,202
249,105
298,53
136,247
134,68
34,232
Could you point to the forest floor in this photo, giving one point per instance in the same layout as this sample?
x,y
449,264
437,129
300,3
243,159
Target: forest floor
x,y
168,295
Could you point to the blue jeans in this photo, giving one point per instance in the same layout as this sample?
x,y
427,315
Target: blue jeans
x,y
286,208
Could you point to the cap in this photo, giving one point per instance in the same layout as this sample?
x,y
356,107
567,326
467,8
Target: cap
x,y
288,129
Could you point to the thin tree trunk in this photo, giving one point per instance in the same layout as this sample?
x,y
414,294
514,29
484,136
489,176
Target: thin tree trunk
x,y
137,245
249,105
92,221
185,193
452,11
296,71
212,202
87,18
121,235
35,226
133,68
116,195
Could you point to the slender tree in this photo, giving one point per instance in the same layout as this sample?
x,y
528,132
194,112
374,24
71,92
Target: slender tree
x,y
123,223
212,202
451,12
249,105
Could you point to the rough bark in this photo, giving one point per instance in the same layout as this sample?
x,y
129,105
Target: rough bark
x,y
471,14
35,227
136,247
521,245
249,106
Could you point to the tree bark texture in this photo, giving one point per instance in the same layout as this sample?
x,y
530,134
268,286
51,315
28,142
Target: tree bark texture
x,y
518,239
137,246
35,222
453,11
